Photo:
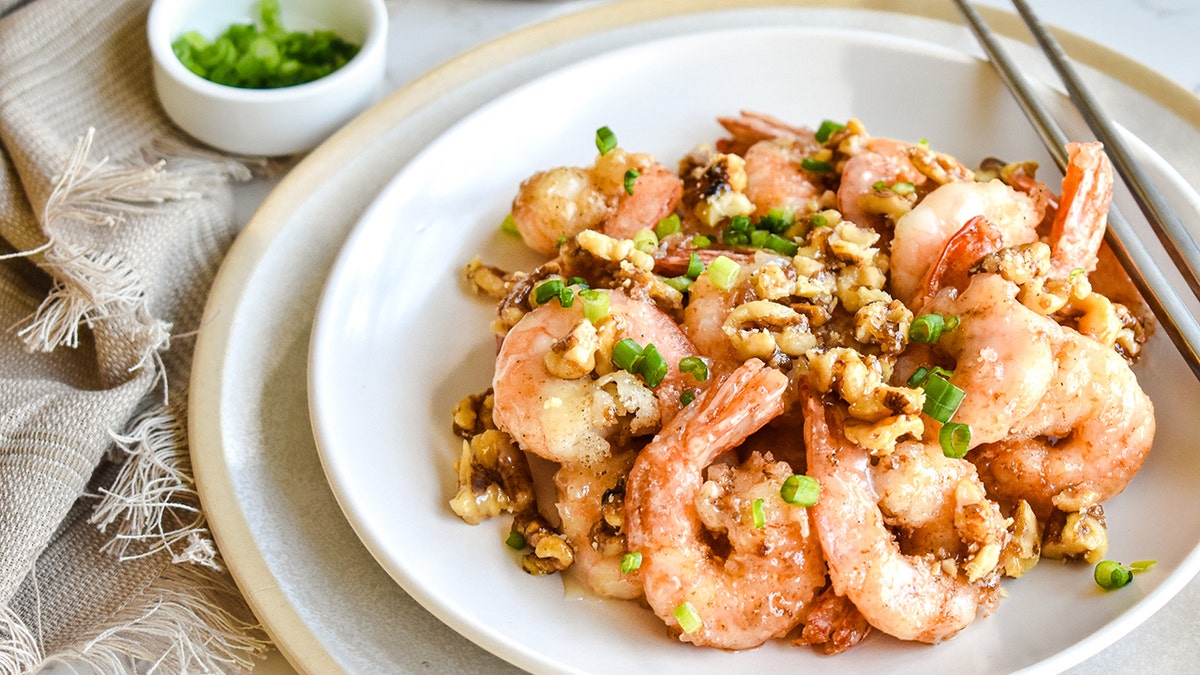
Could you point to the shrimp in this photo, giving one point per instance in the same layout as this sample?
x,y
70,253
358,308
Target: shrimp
x,y
557,394
1054,415
882,160
1082,215
922,233
945,573
752,127
554,205
590,504
763,586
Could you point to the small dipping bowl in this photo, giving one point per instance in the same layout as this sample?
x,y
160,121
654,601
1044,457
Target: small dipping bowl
x,y
269,122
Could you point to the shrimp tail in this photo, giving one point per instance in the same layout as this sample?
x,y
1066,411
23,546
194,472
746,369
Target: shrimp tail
x,y
1082,216
977,238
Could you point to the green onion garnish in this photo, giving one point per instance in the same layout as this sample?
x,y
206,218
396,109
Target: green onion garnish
x,y
723,272
630,176
777,220
827,129
780,245
687,397
701,241
800,490
681,284
879,186
904,188
955,438
509,225
1111,575
819,220
941,397
627,355
263,55
695,266
630,562
928,328
694,366
548,290
515,540
595,304
918,377
645,241
815,165
654,366
688,618
606,140
756,512
668,226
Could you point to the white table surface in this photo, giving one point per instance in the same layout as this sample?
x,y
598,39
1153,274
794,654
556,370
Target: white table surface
x,y
1161,34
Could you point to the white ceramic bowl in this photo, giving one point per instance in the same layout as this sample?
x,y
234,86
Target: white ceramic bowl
x,y
279,121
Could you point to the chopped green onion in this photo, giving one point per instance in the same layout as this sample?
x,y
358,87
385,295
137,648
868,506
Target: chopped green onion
x,y
595,304
918,377
819,220
630,562
758,238
780,245
548,290
263,55
509,225
694,366
904,188
778,220
578,281
687,397
955,438
941,398
1076,273
800,490
879,186
688,618
756,512
627,355
606,140
630,176
668,226
515,540
928,328
654,366
827,129
695,266
815,165
645,241
740,223
1111,575
723,272
701,241
681,283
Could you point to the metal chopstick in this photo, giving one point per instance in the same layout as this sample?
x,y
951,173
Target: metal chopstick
x,y
1177,241
1174,317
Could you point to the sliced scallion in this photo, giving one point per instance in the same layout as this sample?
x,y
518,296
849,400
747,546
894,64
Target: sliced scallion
x,y
680,283
631,177
630,562
694,366
509,225
645,241
800,490
955,439
627,355
688,618
687,397
927,328
827,129
595,304
941,398
1111,575
654,367
723,272
515,540
606,140
701,241
548,290
695,266
756,512
816,165
667,226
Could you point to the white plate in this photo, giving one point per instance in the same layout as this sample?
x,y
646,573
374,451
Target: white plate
x,y
398,341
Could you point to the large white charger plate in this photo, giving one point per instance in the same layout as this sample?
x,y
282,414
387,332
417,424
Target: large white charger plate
x,y
318,591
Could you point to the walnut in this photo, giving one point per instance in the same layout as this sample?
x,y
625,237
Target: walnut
x,y
860,381
473,414
1025,546
883,323
614,250
574,355
1076,535
716,182
759,328
487,280
939,167
880,437
493,478
551,553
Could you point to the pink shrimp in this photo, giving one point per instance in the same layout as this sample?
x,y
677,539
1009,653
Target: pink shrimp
x,y
554,205
763,586
1082,214
883,160
559,397
947,572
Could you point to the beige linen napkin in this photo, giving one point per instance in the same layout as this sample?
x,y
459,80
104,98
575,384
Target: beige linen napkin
x,y
111,230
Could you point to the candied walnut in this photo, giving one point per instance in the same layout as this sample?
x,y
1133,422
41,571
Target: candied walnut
x,y
1019,264
860,381
473,414
977,521
759,328
551,553
880,437
614,250
937,166
771,282
608,534
851,243
714,184
1025,545
574,355
1076,535
888,201
885,324
1131,336
493,477
487,280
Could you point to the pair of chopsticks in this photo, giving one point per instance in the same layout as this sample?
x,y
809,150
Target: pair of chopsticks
x,y
1174,317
